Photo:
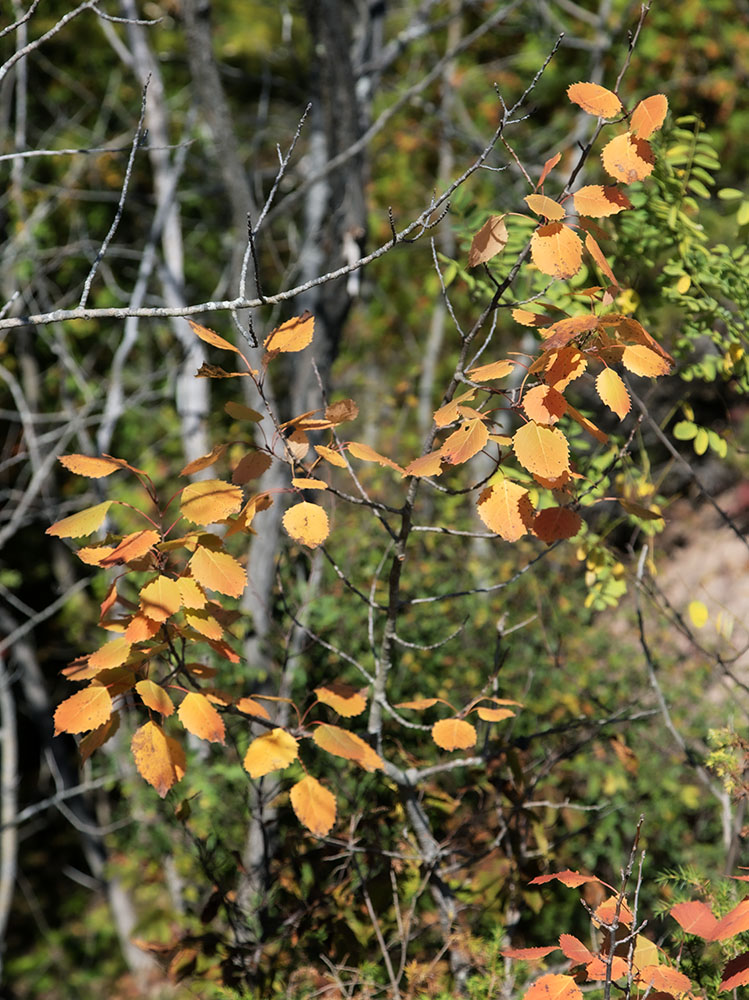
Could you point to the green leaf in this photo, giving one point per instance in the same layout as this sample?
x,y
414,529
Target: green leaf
x,y
685,430
701,441
730,194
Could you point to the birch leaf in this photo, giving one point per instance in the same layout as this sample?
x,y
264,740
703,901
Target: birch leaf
x,y
160,760
85,522
313,805
200,718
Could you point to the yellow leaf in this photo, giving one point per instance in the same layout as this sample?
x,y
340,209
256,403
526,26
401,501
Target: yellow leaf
x,y
698,613
313,805
348,701
251,707
496,369
209,501
218,571
427,465
554,986
598,256
649,115
155,697
541,449
418,704
270,752
454,734
200,718
159,758
92,468
141,628
293,335
209,337
307,523
542,205
565,365
198,464
330,455
367,454
87,709
544,404
191,594
598,201
556,250
527,318
131,547
628,158
613,392
594,99
495,714
302,483
341,743
641,360
465,442
93,555
505,508
112,654
204,623
160,599
85,522
449,412
490,240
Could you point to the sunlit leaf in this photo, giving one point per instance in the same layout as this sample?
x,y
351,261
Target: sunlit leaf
x,y
695,918
628,158
567,877
200,718
566,365
159,758
160,599
191,594
449,412
218,571
599,201
547,207
606,913
556,523
131,547
418,704
595,99
155,697
599,257
141,628
554,987
465,442
251,707
613,392
527,318
505,508
270,752
597,968
85,522
494,714
198,464
544,404
331,455
84,710
307,523
641,360
698,614
564,330
293,335
649,115
454,734
204,623
736,973
548,167
427,465
575,950
541,449
346,700
528,954
495,369
305,483
661,977
735,922
489,241
367,454
587,424
209,501
313,805
342,743
112,654
209,337
92,468
556,250
93,555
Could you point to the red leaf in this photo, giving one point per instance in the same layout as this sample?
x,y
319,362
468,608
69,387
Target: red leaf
x,y
736,973
529,954
567,877
695,918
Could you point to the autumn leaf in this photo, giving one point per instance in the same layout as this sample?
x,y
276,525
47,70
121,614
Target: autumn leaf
x,y
567,877
695,918
111,654
564,330
661,977
529,954
191,594
132,547
92,468
547,207
270,752
489,241
293,335
606,913
160,760
454,734
331,455
597,968
649,115
198,464
160,599
527,318
209,501
613,392
628,158
598,256
449,412
495,369
200,718
566,365
494,714
556,523
556,250
305,483
218,571
204,623
418,704
241,412
735,922
307,523
594,99
346,700
541,449
248,706
85,522
140,628
367,454
641,360
209,337
544,404
554,987
342,743
87,709
98,737
575,950
313,805
505,508
341,411
599,201
427,465
735,973
155,697
465,442
548,167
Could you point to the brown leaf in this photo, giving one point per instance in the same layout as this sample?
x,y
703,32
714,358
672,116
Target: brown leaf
x,y
341,411
555,523
489,241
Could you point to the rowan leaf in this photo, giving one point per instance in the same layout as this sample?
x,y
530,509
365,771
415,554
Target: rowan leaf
x,y
575,950
556,250
649,115
367,454
132,547
599,202
495,369
85,522
628,158
735,973
454,734
272,751
505,508
544,404
341,743
540,449
160,599
613,392
86,465
695,918
331,455
293,335
307,523
346,700
313,805
198,464
111,654
218,571
556,523
554,987
200,718
427,465
595,99
489,241
155,697
209,501
160,760
84,710
547,207
465,442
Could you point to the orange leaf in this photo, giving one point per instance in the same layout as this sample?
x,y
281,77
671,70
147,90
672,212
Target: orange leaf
x,y
554,987
527,318
542,205
594,99
560,334
198,464
313,805
661,977
736,973
155,697
209,337
599,201
93,555
132,547
159,758
465,442
575,950
505,508
92,468
141,628
649,115
200,718
112,654
548,167
544,404
494,714
496,369
598,256
606,912
587,425
628,158
204,623
695,918
270,752
449,412
541,449
331,455
160,599
293,335
307,523
613,392
302,483
556,250
418,703
98,737
251,707
567,364
596,969
642,361
735,922
490,240
341,743
529,954
567,877
209,501
348,701
427,465
218,571
87,709
85,522
367,454
250,466
555,523
454,734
